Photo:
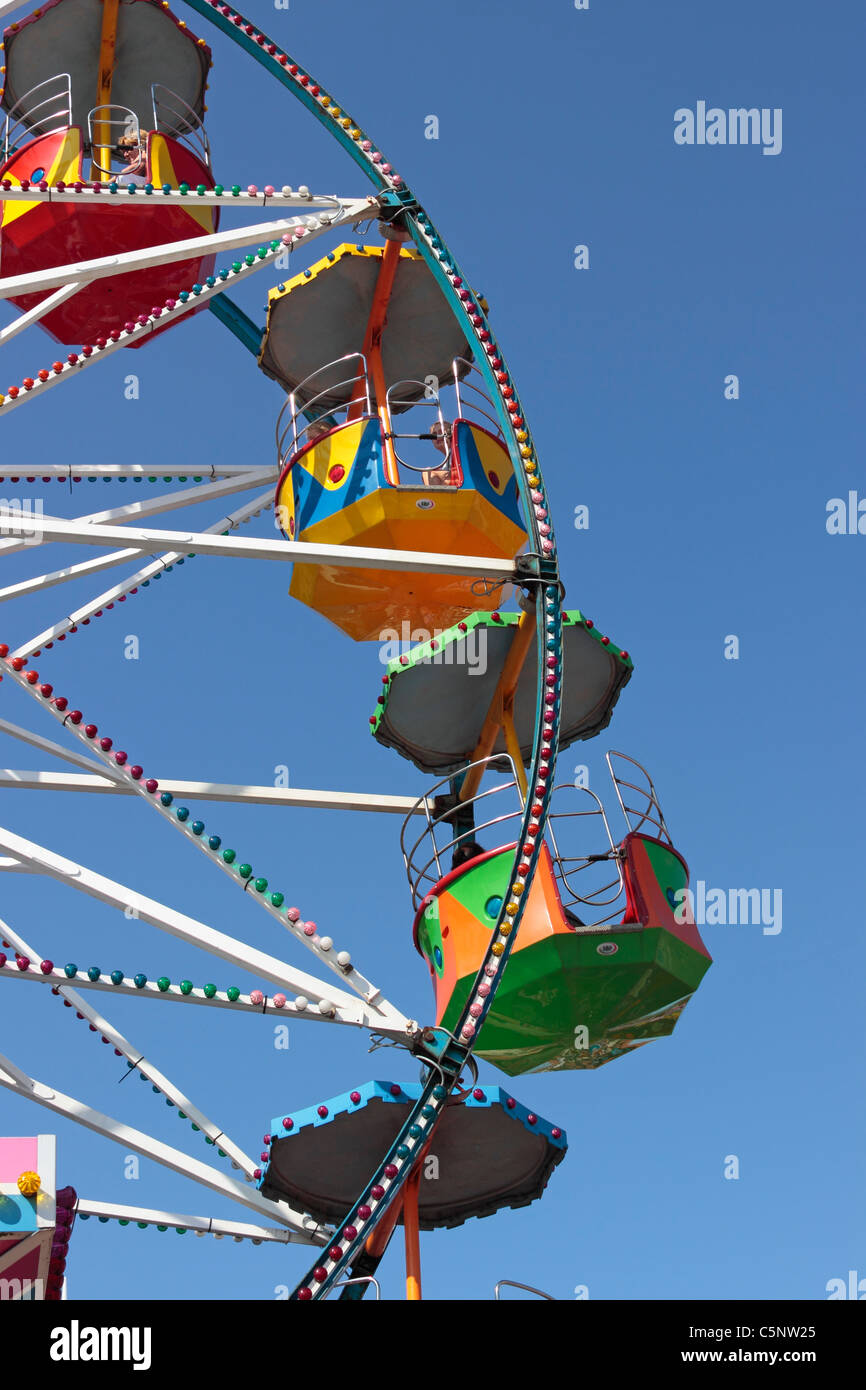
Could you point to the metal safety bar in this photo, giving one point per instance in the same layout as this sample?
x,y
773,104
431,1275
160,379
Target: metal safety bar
x,y
116,126
174,117
420,877
362,1279
28,119
576,873
651,812
430,398
567,866
468,384
513,1284
305,407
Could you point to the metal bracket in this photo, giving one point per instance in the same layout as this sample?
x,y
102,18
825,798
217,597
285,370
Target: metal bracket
x,y
399,199
535,569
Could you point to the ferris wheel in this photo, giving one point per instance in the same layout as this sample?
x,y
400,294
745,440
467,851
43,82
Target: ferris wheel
x,y
408,495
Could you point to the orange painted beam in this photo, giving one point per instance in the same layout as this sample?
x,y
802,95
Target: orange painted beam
x,y
377,1243
102,142
372,350
413,1241
500,713
512,744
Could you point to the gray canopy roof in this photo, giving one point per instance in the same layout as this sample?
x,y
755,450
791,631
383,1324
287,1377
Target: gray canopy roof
x,y
434,704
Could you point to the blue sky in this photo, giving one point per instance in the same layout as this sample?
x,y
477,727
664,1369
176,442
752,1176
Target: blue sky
x,y
707,520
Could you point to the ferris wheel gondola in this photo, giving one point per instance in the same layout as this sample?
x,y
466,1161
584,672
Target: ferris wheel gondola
x,y
379,536
113,95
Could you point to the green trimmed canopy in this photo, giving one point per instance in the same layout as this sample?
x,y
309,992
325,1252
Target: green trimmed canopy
x,y
438,694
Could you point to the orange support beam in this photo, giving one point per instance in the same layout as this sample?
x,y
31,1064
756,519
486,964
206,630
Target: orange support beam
x,y
500,714
101,128
413,1242
512,744
377,1243
372,351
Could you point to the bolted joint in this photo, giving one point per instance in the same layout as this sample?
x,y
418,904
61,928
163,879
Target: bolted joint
x,y
397,200
532,569
428,1043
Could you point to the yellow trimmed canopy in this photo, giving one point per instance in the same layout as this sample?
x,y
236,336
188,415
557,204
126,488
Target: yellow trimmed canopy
x,y
322,314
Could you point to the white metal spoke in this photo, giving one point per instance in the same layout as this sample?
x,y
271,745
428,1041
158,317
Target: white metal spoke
x,y
137,1059
374,1013
24,1081
172,252
58,751
62,576
132,581
199,1225
303,1228
304,799
175,995
153,506
339,962
254,548
120,338
186,497
39,311
277,201
165,472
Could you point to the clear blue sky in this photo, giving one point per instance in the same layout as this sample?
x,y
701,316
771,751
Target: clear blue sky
x,y
707,519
